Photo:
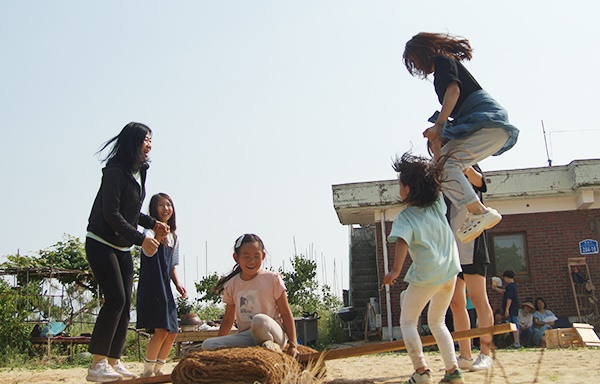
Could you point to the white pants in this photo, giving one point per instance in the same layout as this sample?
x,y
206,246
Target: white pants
x,y
263,328
413,303
462,154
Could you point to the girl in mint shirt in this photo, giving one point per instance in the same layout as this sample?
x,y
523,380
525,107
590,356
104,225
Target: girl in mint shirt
x,y
422,231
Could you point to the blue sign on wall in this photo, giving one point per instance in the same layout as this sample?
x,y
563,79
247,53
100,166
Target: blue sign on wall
x,y
588,247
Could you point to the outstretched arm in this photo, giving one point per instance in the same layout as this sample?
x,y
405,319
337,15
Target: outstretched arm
x,y
400,256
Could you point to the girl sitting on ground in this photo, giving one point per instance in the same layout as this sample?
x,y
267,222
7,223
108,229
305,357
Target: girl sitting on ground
x,y
256,300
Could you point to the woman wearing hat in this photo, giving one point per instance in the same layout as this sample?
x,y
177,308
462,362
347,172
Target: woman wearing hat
x,y
525,321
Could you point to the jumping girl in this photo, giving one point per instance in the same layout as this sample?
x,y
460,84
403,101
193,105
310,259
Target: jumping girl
x,y
422,231
112,231
256,299
479,128
156,309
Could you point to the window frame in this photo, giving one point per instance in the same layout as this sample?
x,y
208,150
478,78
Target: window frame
x,y
493,259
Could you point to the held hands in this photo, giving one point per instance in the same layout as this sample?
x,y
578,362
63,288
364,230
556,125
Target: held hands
x,y
160,230
150,245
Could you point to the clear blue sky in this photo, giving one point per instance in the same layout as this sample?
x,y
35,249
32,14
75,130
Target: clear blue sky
x,y
258,107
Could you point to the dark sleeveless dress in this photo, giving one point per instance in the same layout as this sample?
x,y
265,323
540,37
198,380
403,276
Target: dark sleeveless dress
x,y
155,303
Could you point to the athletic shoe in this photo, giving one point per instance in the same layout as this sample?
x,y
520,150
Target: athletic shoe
x,y
123,371
271,346
102,372
455,377
515,346
475,224
482,363
463,363
420,378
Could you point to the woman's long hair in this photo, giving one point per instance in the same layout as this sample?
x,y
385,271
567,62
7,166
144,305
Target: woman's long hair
x,y
126,146
421,50
246,238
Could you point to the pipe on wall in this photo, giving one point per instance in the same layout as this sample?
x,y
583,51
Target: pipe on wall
x,y
386,267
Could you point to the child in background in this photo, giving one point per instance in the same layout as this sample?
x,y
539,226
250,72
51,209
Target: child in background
x,y
156,309
510,302
422,231
256,299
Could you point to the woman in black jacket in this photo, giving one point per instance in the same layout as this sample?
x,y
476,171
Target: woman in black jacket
x,y
112,231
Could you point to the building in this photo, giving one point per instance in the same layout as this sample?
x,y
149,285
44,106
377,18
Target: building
x,y
547,213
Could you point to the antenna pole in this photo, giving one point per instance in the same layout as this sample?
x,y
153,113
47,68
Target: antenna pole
x,y
546,144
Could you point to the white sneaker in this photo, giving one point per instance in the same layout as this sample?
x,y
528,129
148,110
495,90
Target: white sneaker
x,y
463,363
123,371
102,372
475,224
420,378
482,363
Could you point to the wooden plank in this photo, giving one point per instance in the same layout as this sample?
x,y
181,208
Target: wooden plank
x,y
399,344
148,380
587,334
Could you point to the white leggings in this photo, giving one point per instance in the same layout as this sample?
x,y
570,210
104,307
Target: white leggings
x,y
263,328
462,154
413,302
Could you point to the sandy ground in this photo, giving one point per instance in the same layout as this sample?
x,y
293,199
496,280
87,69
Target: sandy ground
x,y
524,366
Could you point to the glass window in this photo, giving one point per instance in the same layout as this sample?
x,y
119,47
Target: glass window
x,y
509,251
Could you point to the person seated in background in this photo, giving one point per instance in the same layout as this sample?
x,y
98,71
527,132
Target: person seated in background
x,y
525,321
543,319
502,340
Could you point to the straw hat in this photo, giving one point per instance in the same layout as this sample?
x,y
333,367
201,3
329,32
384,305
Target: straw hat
x,y
528,304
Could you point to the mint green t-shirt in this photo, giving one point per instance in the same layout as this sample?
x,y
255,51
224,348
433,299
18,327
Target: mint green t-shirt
x,y
431,244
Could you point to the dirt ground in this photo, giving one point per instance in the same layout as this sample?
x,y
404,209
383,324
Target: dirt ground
x,y
580,365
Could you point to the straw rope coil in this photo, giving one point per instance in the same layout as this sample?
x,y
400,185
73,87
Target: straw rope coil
x,y
238,365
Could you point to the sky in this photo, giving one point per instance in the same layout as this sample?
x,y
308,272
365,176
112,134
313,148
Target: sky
x,y
259,107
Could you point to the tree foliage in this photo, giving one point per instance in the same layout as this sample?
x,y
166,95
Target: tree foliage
x,y
205,287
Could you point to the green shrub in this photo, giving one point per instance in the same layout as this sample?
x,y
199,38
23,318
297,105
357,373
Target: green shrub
x,y
14,332
330,330
209,311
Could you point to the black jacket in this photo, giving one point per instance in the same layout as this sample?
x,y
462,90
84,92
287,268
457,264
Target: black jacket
x,y
116,210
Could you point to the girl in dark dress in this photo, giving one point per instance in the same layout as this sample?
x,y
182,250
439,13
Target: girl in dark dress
x,y
156,309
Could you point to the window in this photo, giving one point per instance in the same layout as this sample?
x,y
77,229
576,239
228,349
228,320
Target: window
x,y
509,251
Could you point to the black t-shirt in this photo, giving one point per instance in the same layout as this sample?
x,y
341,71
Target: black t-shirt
x,y
448,70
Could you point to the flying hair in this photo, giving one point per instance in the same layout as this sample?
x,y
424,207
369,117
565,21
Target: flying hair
x,y
422,175
421,50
